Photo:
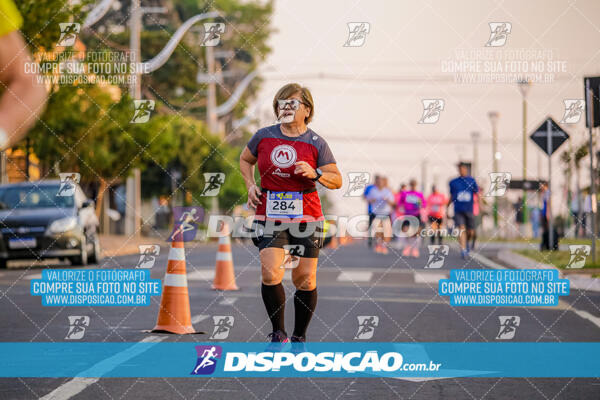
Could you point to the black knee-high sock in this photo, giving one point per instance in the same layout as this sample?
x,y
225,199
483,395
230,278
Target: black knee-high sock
x,y
305,302
274,299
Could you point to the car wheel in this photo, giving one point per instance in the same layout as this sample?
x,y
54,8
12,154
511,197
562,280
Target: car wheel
x,y
96,254
82,259
3,263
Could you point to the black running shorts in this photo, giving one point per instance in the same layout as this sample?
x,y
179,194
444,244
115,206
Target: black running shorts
x,y
303,239
465,219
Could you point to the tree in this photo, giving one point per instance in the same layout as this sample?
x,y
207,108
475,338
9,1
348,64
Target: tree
x,y
41,18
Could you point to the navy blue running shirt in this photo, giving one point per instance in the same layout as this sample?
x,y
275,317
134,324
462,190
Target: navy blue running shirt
x,y
461,192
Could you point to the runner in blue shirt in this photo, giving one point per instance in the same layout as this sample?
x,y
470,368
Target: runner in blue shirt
x,y
370,207
462,190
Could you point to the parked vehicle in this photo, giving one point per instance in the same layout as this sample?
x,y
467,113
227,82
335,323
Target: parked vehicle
x,y
47,219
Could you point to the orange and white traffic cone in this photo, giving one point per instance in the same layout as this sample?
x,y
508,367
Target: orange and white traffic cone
x,y
174,314
224,274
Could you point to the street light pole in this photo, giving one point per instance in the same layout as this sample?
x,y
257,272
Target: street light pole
x,y
133,185
589,95
493,116
211,99
524,89
135,26
474,170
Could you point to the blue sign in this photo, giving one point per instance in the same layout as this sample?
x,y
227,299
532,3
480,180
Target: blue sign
x,y
318,360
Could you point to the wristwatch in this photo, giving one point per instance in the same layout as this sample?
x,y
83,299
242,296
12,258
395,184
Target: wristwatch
x,y
319,174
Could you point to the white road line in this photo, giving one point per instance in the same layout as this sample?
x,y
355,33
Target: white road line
x,y
34,276
429,277
228,301
486,261
198,318
354,276
79,384
588,316
201,275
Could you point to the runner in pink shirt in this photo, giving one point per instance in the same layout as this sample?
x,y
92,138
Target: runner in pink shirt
x,y
436,209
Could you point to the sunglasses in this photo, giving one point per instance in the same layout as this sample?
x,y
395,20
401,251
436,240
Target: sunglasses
x,y
293,103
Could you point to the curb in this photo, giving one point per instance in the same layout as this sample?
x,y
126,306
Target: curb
x,y
521,262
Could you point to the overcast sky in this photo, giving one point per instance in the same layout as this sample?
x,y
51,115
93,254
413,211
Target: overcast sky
x,y
369,98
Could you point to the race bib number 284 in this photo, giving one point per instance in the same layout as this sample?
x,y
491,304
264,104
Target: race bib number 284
x,y
284,204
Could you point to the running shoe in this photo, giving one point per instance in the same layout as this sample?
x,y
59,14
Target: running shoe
x,y
384,249
278,341
464,254
298,344
406,251
415,252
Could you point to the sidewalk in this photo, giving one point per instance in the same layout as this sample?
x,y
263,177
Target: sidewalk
x,y
579,280
121,245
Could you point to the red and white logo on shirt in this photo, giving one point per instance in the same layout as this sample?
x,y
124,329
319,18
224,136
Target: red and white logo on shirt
x,y
283,156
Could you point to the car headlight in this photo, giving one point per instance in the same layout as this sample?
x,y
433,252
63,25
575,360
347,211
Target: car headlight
x,y
62,225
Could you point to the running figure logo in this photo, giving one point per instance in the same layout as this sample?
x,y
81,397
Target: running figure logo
x,y
357,182
143,109
498,34
508,327
207,359
223,324
186,223
212,33
366,326
579,253
432,109
499,182
77,325
573,111
148,254
437,255
357,33
213,180
68,181
68,34
291,255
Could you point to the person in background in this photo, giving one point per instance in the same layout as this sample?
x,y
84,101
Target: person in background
x,y
545,214
22,97
436,209
476,220
535,221
462,189
377,181
587,210
398,214
412,202
382,201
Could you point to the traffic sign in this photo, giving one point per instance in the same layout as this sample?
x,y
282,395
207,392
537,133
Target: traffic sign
x,y
549,129
529,184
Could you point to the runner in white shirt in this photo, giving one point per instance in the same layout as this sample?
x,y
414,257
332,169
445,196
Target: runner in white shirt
x,y
381,199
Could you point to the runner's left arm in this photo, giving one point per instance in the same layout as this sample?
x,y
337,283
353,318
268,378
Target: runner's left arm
x,y
331,178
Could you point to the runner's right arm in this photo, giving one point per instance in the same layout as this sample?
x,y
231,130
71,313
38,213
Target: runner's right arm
x,y
247,163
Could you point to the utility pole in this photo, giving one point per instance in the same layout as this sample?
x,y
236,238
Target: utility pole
x,y
132,195
493,116
524,89
211,100
133,183
589,94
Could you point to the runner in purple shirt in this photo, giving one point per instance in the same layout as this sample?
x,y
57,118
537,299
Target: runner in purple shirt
x,y
412,202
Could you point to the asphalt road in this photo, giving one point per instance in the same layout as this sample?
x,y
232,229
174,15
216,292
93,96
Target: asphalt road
x,y
352,282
